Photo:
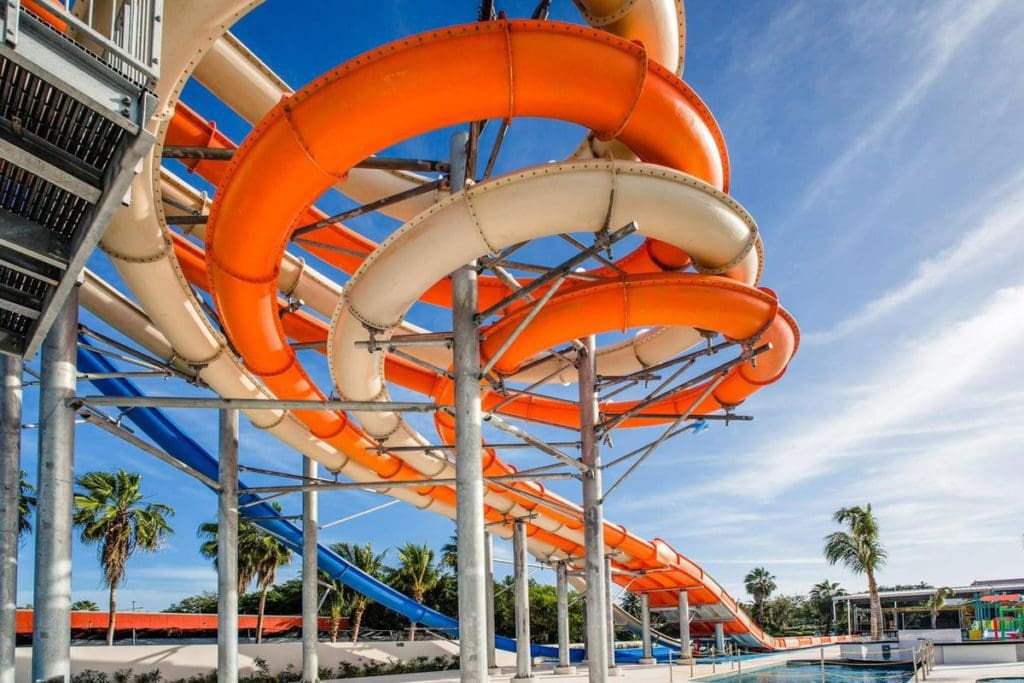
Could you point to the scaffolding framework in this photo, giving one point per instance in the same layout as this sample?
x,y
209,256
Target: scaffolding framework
x,y
74,105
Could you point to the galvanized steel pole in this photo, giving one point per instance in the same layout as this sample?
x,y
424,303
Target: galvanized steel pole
x,y
720,636
310,622
645,630
684,624
524,670
562,587
610,616
492,660
10,492
51,599
593,517
227,549
469,487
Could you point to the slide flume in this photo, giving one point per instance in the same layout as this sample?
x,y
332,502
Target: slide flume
x,y
633,100
174,441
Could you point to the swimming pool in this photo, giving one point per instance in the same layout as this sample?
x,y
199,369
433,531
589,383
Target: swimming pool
x,y
795,672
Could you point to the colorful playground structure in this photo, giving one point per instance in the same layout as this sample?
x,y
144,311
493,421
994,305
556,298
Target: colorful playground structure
x,y
217,292
997,617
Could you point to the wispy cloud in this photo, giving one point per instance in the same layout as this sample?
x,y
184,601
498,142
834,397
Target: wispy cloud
x,y
918,382
954,28
994,240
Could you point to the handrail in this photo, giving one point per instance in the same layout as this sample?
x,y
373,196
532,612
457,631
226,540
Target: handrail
x,y
133,45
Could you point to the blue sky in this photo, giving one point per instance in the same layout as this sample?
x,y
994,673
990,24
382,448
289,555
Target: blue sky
x,y
880,149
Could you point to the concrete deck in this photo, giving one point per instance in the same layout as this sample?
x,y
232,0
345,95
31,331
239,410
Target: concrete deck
x,y
660,673
634,673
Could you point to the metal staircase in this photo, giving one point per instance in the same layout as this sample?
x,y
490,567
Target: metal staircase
x,y
76,86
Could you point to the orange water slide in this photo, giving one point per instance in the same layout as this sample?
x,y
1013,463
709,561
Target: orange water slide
x,y
525,68
339,245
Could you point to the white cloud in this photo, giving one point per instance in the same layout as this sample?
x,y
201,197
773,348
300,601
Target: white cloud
x,y
954,28
922,383
994,241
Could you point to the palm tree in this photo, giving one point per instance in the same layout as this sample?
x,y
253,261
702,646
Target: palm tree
x,y
26,501
259,556
362,557
937,601
337,602
268,555
760,583
84,606
821,597
450,554
110,512
861,551
416,574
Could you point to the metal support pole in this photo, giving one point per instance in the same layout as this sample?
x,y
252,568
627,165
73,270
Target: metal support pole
x,y
609,616
10,491
645,630
469,487
562,601
310,623
524,669
51,628
593,518
720,636
685,648
227,549
492,661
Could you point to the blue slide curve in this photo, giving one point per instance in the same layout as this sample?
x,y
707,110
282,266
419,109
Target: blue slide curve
x,y
168,436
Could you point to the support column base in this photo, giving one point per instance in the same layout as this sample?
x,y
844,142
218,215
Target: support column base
x,y
614,671
647,660
564,670
527,679
495,671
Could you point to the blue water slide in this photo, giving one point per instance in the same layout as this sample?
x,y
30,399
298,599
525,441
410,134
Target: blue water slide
x,y
168,436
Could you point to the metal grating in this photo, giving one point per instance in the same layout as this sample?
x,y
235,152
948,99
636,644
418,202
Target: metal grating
x,y
32,105
72,131
24,290
38,201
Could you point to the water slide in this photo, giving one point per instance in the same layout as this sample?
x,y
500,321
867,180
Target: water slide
x,y
174,441
656,157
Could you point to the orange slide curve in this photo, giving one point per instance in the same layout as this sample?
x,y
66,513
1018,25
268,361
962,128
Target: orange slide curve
x,y
524,68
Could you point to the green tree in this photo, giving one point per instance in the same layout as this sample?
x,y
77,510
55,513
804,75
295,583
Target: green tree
x,y
362,557
268,555
259,557
84,606
416,574
859,549
937,601
336,602
26,501
760,583
110,513
204,603
450,554
820,599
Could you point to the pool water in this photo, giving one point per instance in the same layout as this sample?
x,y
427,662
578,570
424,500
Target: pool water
x,y
810,673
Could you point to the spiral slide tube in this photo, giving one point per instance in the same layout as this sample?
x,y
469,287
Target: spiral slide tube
x,y
645,348
142,250
301,139
174,441
689,214
247,85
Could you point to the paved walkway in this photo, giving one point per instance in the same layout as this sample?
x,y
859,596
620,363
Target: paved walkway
x,y
660,673
633,673
968,673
